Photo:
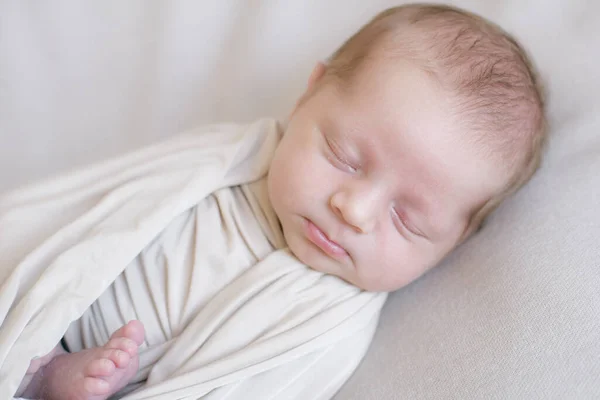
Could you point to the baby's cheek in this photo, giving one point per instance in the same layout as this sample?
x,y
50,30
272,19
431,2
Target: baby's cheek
x,y
390,261
302,177
291,180
308,174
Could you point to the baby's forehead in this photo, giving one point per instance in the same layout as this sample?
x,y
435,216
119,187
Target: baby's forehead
x,y
435,118
396,99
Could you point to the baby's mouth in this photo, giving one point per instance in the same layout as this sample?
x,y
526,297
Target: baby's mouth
x,y
320,239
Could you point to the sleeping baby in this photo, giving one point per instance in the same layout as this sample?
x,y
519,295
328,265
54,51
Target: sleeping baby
x,y
416,128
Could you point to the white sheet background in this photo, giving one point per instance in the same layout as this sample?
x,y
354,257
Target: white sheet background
x,y
81,81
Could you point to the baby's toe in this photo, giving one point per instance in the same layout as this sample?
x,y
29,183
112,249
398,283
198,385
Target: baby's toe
x,y
96,386
123,344
134,330
100,367
119,357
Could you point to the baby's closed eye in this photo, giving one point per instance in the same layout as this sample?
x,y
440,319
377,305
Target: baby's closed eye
x,y
403,223
339,157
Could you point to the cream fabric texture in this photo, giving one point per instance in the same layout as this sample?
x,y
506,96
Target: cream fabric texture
x,y
182,237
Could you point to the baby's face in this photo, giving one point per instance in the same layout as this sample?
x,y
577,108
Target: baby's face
x,y
375,184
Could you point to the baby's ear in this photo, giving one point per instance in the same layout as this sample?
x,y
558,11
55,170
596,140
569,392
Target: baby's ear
x,y
316,75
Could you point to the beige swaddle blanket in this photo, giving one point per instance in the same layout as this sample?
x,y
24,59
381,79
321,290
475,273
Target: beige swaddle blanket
x,y
181,236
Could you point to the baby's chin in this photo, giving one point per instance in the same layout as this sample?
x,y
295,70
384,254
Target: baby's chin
x,y
316,263
310,256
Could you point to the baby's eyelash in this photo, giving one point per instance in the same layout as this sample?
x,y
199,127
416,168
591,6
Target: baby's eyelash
x,y
397,215
405,224
336,153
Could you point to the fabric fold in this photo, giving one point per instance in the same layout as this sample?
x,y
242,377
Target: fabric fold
x,y
181,236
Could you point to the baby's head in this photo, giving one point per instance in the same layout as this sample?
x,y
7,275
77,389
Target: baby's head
x,y
418,127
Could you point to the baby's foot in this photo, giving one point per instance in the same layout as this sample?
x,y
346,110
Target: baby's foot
x,y
32,372
93,374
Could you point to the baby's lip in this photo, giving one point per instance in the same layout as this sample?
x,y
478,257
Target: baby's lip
x,y
319,238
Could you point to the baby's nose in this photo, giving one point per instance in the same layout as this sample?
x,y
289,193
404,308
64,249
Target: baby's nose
x,y
356,210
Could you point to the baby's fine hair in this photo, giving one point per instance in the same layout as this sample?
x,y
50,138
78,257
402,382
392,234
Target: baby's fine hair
x,y
497,90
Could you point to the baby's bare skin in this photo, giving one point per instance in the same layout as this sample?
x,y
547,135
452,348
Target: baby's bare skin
x,y
93,374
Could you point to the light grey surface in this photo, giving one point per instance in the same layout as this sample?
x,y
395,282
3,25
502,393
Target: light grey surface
x,y
512,315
